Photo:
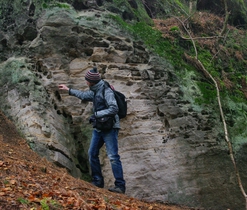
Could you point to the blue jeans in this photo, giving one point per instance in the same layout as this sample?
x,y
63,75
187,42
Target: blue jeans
x,y
110,139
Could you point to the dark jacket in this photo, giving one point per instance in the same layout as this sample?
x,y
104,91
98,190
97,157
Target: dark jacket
x,y
105,106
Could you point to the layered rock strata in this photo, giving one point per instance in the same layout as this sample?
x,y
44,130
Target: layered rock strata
x,y
170,150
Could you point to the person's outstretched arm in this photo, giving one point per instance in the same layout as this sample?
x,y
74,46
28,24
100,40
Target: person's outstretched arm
x,y
63,87
83,95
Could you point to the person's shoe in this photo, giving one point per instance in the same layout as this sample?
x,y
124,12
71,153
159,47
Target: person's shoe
x,y
98,183
116,190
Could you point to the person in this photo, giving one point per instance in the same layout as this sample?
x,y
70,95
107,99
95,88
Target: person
x,y
106,105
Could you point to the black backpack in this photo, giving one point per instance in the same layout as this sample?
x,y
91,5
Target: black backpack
x,y
121,101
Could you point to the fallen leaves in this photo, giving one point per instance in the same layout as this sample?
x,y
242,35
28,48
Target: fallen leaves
x,y
28,181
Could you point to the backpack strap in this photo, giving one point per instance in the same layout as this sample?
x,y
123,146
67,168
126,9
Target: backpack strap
x,y
106,84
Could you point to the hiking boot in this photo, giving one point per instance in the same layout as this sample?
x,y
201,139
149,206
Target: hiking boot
x,y
98,183
116,190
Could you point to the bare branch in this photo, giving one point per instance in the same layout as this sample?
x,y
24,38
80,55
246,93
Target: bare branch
x,y
208,37
227,13
185,28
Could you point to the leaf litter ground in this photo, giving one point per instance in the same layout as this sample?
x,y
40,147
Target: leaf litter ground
x,y
29,181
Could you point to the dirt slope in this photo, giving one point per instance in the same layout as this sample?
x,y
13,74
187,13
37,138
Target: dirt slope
x,y
29,181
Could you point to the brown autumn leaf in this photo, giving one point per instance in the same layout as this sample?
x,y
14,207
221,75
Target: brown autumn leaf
x,y
6,189
2,193
13,182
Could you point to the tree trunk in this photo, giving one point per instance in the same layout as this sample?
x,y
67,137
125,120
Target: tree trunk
x,y
192,6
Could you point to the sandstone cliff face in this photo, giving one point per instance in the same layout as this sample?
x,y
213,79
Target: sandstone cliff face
x,y
170,150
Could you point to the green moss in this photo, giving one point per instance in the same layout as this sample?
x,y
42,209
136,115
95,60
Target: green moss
x,y
11,73
236,118
15,74
152,38
208,93
174,28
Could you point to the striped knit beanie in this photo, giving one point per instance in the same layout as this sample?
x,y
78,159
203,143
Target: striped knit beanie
x,y
93,76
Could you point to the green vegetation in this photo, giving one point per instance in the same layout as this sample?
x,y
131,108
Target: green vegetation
x,y
139,13
178,3
23,201
152,38
15,74
44,204
175,28
56,4
202,91
5,181
208,93
47,204
12,72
